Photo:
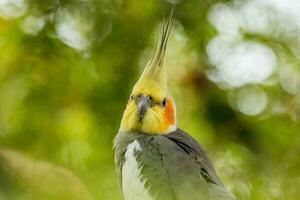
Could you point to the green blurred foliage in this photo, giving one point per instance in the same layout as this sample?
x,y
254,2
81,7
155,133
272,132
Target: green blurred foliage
x,y
66,71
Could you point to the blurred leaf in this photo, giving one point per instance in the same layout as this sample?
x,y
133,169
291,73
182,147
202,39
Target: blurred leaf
x,y
40,179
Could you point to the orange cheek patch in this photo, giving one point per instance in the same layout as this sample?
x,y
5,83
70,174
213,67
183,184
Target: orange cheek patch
x,y
169,112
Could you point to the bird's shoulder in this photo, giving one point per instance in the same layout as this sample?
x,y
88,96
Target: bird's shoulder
x,y
216,187
175,155
191,147
178,144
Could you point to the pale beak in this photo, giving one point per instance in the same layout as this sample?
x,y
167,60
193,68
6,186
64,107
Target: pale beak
x,y
143,104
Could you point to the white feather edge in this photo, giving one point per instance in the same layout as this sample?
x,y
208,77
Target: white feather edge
x,y
132,184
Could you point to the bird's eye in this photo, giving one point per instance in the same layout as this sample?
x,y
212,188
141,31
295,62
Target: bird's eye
x,y
131,97
164,102
150,97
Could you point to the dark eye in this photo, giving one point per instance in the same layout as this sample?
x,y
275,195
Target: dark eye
x,y
164,102
149,97
140,96
131,97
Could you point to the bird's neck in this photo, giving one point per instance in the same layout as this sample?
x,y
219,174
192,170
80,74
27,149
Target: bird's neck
x,y
147,127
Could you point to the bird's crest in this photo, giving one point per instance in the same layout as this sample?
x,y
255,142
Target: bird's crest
x,y
155,69
151,108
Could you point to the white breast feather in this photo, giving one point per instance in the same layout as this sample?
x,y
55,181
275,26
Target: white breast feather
x,y
132,185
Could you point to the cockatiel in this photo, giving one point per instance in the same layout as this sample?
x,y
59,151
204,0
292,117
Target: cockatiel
x,y
156,160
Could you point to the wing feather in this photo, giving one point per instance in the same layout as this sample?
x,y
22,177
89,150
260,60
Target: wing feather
x,y
174,167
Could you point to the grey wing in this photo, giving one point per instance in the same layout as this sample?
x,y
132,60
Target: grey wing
x,y
153,173
119,160
121,142
216,188
178,172
174,167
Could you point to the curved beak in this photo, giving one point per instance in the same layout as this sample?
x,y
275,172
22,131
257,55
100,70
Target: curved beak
x,y
143,104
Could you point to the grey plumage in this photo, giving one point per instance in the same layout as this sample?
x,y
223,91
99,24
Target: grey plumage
x,y
173,167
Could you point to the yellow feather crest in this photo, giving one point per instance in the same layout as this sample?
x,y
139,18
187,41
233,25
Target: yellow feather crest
x,y
155,70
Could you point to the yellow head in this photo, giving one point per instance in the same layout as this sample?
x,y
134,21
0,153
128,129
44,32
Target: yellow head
x,y
151,109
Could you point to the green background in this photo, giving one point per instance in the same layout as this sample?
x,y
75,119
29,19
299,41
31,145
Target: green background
x,y
66,71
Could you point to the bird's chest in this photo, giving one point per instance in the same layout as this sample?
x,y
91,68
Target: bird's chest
x,y
133,185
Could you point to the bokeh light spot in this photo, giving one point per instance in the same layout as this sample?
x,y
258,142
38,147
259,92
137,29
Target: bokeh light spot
x,y
72,29
250,100
244,63
10,9
290,78
224,19
33,24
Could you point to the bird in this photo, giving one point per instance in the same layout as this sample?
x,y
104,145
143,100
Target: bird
x,y
156,160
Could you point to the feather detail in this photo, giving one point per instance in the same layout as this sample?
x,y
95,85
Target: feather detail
x,y
155,69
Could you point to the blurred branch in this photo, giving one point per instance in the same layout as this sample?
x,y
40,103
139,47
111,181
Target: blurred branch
x,y
40,179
